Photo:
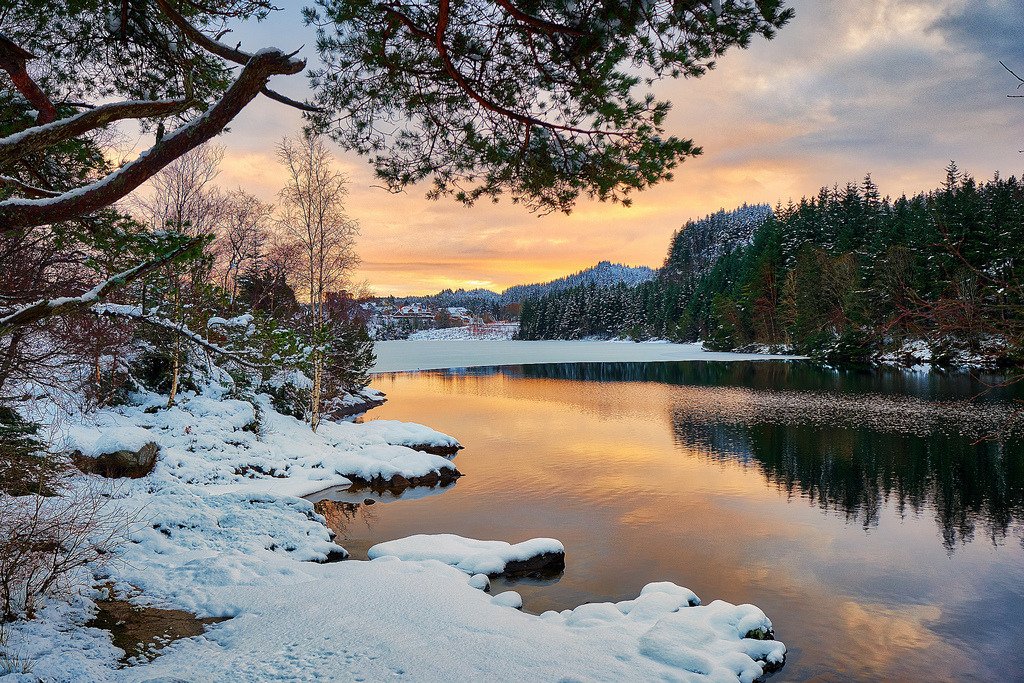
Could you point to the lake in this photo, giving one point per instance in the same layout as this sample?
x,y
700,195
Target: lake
x,y
877,517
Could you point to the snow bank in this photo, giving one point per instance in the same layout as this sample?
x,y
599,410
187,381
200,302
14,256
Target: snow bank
x,y
466,554
410,435
226,445
408,355
466,333
422,620
223,534
126,438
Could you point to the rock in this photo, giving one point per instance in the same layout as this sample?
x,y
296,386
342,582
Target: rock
x,y
369,501
368,403
481,582
434,449
398,483
539,566
336,554
119,464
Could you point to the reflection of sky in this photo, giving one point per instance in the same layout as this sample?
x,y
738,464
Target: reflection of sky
x,y
600,467
896,88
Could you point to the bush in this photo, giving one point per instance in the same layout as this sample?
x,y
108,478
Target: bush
x,y
46,543
25,467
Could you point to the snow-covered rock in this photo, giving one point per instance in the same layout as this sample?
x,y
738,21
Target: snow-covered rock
x,y
473,556
508,599
411,435
224,443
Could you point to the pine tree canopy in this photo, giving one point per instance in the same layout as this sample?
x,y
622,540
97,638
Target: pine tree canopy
x,y
540,99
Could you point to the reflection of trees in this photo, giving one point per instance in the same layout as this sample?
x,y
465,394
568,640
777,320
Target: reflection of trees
x,y
340,515
781,375
855,471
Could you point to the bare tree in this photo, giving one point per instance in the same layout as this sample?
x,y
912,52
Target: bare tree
x,y
183,197
243,238
313,215
44,541
184,200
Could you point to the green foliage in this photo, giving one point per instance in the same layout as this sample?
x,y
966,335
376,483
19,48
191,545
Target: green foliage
x,y
290,395
349,358
125,49
543,106
25,468
845,275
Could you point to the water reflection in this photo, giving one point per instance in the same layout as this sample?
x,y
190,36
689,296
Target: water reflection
x,y
774,484
847,441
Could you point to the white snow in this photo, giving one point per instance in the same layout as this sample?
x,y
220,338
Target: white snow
x,y
126,438
421,620
409,355
465,332
407,434
480,582
209,440
508,599
465,554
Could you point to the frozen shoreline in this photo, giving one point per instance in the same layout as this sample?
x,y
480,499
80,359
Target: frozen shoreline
x,y
411,355
223,533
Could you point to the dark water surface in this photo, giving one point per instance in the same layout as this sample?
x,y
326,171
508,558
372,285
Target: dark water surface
x,y
857,509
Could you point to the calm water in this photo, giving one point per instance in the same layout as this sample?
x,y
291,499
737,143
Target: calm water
x,y
858,510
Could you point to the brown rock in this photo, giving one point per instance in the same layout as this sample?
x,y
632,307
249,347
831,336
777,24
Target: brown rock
x,y
130,464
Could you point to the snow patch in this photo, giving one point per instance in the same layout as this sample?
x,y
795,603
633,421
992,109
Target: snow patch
x,y
466,554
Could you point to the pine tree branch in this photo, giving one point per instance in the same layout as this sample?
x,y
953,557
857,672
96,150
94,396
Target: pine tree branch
x,y
13,59
201,39
136,313
30,190
19,214
19,145
284,99
48,308
536,22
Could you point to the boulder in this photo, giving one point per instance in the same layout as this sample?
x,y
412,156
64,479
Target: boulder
x,y
119,464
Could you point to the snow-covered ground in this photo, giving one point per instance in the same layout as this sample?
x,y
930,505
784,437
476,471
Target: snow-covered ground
x,y
407,355
222,532
465,332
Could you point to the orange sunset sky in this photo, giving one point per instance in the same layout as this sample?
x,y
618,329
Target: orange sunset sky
x,y
888,87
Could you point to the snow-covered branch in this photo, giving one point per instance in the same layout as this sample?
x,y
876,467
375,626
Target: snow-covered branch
x,y
18,214
19,145
136,313
48,308
26,188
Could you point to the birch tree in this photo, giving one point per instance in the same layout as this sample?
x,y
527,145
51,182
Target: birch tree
x,y
313,215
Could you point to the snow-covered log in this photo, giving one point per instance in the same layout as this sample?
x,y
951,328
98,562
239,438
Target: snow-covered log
x,y
23,143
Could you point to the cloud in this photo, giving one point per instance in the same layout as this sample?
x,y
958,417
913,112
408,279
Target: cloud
x,y
896,88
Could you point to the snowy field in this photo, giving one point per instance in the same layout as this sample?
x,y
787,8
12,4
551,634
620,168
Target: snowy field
x,y
422,354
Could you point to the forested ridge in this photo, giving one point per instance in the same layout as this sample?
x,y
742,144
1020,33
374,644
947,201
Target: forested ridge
x,y
846,274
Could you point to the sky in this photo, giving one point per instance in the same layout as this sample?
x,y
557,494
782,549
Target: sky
x,y
894,88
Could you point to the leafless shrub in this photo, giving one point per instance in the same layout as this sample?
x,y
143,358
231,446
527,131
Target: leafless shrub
x,y
46,543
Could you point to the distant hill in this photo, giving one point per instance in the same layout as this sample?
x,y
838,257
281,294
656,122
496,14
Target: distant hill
x,y
698,245
604,274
